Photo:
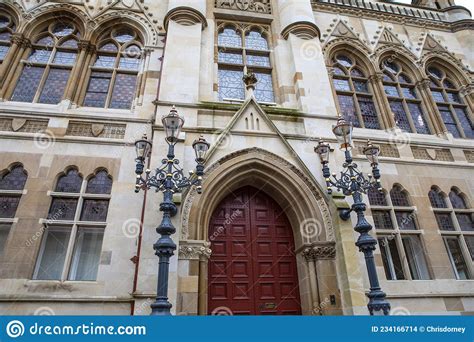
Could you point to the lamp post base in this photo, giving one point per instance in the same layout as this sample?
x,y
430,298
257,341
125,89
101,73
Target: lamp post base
x,y
161,308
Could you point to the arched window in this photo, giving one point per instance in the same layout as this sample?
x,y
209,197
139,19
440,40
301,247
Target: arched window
x,y
452,108
240,53
78,210
46,72
12,182
7,28
114,74
354,93
456,224
403,99
398,235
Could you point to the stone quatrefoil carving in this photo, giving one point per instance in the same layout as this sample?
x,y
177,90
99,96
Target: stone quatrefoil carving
x,y
261,6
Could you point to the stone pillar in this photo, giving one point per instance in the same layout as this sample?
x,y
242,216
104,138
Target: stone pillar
x,y
24,51
77,70
376,81
184,23
193,257
82,82
16,41
301,44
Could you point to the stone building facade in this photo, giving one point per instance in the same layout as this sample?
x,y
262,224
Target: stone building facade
x,y
80,81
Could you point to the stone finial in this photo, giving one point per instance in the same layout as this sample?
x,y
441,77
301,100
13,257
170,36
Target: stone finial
x,y
250,81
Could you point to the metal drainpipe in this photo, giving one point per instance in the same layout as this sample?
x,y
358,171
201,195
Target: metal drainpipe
x,y
142,217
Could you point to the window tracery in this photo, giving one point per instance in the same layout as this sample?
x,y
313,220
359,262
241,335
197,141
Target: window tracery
x,y
7,28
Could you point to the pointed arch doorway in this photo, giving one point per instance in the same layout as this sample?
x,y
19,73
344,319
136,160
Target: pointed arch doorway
x,y
252,269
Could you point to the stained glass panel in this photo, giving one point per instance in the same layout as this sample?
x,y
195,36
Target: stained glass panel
x,y
4,21
70,43
101,183
345,61
437,199
449,121
264,88
94,210
338,71
229,37
406,220
444,221
110,47
39,56
457,201
64,58
53,89
8,206
348,109
382,219
392,67
435,72
13,180
124,91
28,83
448,84
255,41
98,89
391,90
71,182
105,61
341,84
5,36
376,197
465,222
438,96
230,58
401,118
399,197
124,35
466,124
129,63
409,92
62,30
257,60
357,73
470,245
454,98
63,209
361,86
369,113
403,79
418,118
45,41
231,85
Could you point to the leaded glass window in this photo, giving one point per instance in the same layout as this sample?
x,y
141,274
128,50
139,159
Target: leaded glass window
x,y
400,240
45,74
354,93
78,210
454,112
7,28
113,80
241,52
12,183
403,98
455,220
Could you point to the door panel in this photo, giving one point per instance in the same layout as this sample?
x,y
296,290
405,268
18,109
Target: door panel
x,y
252,269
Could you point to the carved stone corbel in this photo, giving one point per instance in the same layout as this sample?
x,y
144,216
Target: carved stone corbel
x,y
194,250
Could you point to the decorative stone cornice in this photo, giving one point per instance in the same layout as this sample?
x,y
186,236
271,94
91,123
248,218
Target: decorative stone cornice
x,y
319,252
194,250
302,29
261,6
186,16
461,25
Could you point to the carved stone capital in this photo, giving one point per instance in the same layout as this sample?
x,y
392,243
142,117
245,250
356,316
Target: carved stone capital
x,y
17,38
186,16
84,45
194,250
423,84
467,90
377,77
319,252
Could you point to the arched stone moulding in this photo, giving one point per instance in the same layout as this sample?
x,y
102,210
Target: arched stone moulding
x,y
302,29
295,192
185,16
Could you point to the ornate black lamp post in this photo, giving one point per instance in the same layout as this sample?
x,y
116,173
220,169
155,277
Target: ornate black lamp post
x,y
168,178
353,183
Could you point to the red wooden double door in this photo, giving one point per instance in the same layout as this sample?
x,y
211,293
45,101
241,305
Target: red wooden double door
x,y
252,270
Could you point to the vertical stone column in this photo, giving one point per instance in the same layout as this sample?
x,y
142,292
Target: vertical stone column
x,y
24,51
16,41
83,81
307,66
77,70
308,254
180,74
376,81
